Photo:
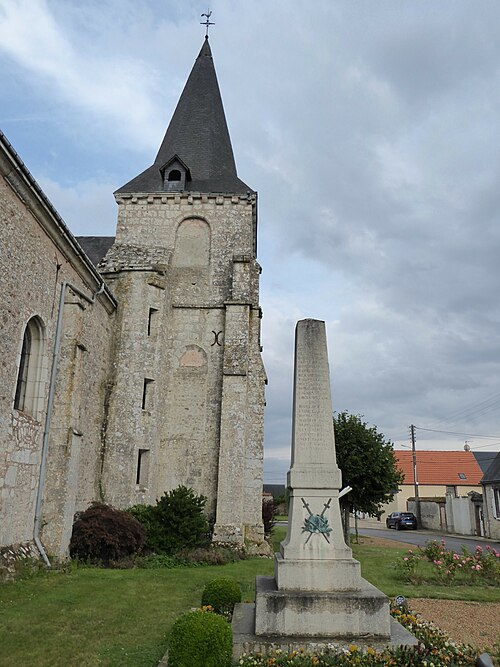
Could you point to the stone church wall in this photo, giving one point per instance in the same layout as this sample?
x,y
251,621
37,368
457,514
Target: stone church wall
x,y
37,256
191,259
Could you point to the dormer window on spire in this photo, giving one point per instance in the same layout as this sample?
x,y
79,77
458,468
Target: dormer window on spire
x,y
174,175
198,136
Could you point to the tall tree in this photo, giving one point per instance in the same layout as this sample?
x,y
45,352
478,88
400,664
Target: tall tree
x,y
368,465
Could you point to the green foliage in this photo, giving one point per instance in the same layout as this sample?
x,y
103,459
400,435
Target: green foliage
x,y
434,563
176,522
157,561
434,549
70,618
102,534
210,556
200,639
221,594
367,462
268,515
408,566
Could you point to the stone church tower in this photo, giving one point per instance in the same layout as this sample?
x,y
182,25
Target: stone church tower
x,y
185,398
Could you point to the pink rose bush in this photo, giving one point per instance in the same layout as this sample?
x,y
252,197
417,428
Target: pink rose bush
x,y
445,567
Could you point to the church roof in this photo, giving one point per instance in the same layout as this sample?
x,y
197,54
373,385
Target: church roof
x,y
95,247
198,136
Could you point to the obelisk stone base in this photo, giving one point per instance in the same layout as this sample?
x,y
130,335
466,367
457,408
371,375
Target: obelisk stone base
x,y
246,641
316,575
289,613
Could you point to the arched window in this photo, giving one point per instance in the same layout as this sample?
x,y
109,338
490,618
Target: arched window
x,y
174,175
30,368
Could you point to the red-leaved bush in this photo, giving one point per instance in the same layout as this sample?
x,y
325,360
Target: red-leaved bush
x,y
103,534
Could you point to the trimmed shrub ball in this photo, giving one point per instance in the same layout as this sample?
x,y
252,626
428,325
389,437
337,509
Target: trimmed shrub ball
x,y
200,639
221,594
103,534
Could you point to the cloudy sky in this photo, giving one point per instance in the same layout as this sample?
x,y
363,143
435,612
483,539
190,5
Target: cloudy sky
x,y
370,129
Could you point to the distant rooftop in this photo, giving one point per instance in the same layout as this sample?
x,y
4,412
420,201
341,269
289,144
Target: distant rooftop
x,y
493,472
485,459
450,468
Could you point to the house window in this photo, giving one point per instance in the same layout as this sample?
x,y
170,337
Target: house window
x,y
174,175
146,393
462,475
28,382
141,478
496,502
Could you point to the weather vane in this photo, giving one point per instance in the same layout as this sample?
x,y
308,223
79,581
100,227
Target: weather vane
x,y
207,23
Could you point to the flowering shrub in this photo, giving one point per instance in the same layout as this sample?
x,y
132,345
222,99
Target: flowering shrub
x,y
480,566
435,649
434,550
487,562
408,566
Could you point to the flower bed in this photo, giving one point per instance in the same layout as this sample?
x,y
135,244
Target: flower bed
x,y
434,563
434,649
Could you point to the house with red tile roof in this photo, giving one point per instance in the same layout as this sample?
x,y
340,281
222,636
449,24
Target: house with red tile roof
x,y
438,474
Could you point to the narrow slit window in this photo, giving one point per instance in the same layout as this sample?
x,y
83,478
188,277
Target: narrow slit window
x,y
141,478
152,317
146,393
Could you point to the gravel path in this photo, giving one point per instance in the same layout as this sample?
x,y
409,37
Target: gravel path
x,y
474,623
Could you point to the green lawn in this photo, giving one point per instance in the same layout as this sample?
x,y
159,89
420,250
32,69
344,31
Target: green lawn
x,y
91,617
88,617
376,566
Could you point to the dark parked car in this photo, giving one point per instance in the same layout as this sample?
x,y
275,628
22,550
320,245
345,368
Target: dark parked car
x,y
399,520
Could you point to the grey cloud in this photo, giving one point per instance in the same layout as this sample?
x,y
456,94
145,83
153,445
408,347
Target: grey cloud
x,y
371,132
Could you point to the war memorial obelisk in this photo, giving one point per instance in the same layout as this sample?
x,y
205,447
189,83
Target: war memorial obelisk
x,y
317,595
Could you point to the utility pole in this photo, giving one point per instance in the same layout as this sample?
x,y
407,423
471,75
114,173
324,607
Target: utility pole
x,y
415,478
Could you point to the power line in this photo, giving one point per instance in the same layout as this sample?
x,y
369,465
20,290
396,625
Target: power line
x,y
472,435
472,409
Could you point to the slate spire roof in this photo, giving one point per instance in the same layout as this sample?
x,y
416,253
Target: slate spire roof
x,y
197,139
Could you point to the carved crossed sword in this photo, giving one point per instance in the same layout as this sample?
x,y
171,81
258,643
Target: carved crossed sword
x,y
325,507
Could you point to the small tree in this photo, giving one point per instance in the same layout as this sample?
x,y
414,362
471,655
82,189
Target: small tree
x,y
368,465
176,521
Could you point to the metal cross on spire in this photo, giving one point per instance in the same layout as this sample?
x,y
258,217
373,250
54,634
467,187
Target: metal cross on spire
x,y
207,23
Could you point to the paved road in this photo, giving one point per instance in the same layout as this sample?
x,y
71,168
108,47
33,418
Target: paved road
x,y
420,537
